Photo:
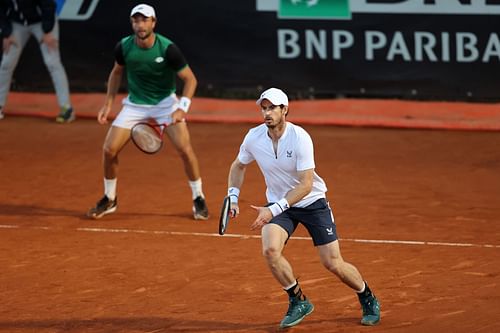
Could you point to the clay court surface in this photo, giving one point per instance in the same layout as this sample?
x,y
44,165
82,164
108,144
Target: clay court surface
x,y
417,212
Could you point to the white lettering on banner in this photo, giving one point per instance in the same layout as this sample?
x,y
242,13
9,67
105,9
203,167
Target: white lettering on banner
x,y
288,46
470,7
425,42
466,43
452,7
445,50
398,48
492,48
420,46
374,40
318,43
341,40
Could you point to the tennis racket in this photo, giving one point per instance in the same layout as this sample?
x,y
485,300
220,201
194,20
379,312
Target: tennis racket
x,y
148,137
225,215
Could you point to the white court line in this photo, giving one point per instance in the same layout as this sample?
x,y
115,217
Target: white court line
x,y
206,234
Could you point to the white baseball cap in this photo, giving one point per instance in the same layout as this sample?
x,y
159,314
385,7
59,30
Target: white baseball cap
x,y
143,9
275,96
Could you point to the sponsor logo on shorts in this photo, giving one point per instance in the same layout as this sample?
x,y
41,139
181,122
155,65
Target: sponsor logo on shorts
x,y
329,231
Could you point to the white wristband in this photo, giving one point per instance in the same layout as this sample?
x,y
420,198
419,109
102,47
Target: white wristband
x,y
279,207
184,103
233,194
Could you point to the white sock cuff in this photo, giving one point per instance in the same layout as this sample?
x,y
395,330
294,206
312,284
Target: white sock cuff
x,y
362,289
196,188
110,188
290,286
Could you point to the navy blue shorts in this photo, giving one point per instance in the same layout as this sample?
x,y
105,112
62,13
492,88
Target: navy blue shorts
x,y
317,218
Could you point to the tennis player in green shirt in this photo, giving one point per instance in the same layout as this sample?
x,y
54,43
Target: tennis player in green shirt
x,y
151,63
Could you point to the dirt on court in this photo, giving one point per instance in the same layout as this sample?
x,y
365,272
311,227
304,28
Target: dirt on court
x,y
417,212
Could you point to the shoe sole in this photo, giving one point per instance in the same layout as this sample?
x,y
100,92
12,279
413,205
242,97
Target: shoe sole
x,y
62,120
200,217
298,320
106,212
370,323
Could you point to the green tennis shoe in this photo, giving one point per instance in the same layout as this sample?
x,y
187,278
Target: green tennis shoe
x,y
297,310
371,310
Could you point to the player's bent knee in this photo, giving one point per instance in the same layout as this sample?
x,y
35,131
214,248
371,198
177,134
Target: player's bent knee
x,y
109,152
271,253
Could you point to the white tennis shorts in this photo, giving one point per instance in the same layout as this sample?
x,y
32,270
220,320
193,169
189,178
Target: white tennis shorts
x,y
132,113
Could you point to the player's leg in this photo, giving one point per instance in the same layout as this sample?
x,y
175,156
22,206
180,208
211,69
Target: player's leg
x,y
273,242
319,222
10,59
116,139
180,138
52,60
332,259
274,237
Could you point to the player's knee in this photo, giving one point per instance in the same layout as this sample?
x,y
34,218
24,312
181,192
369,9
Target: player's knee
x,y
109,152
271,253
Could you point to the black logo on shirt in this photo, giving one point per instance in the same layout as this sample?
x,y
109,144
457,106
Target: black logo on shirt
x,y
289,153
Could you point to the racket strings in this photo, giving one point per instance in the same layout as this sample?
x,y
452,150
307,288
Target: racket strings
x,y
147,138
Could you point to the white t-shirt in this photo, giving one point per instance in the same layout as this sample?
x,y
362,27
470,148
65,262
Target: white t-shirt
x,y
295,153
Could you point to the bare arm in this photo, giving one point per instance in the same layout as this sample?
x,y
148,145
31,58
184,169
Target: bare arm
x,y
302,189
190,83
235,179
114,81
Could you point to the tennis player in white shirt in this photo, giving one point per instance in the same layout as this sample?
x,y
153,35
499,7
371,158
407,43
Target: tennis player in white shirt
x,y
295,193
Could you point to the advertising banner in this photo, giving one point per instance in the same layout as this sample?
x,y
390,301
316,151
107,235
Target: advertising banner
x,y
411,49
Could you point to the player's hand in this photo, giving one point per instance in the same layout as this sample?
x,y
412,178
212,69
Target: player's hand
x,y
7,43
102,115
234,210
263,218
49,40
178,116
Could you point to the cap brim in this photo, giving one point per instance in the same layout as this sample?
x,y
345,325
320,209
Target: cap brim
x,y
260,101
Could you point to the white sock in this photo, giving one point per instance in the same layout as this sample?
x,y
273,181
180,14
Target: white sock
x,y
290,286
110,188
196,188
363,289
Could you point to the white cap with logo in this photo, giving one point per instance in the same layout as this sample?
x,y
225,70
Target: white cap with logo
x,y
275,96
143,9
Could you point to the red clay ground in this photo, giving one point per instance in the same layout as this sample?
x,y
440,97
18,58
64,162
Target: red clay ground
x,y
151,268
